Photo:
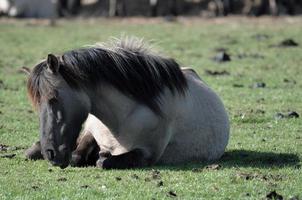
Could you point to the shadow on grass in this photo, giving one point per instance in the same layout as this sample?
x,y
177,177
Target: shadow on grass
x,y
245,158
238,158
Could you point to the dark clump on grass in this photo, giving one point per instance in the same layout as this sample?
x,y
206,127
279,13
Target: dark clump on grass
x,y
147,179
252,176
85,186
288,43
260,100
222,57
35,187
3,147
258,85
273,195
134,176
172,193
259,111
1,84
62,179
208,167
155,174
217,73
160,184
291,114
298,166
286,80
10,156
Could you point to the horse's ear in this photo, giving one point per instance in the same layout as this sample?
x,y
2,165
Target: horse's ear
x,y
53,63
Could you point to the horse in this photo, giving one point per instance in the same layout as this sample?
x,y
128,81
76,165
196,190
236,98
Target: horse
x,y
141,107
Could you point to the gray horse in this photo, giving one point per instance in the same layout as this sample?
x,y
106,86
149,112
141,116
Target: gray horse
x,y
140,107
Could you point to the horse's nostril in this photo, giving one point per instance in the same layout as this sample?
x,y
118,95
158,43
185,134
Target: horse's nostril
x,y
50,154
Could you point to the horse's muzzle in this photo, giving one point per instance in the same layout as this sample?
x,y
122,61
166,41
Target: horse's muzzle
x,y
59,158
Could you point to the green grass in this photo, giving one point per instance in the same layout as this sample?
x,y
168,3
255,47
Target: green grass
x,y
263,155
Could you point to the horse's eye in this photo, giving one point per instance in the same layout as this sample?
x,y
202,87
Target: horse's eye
x,y
52,101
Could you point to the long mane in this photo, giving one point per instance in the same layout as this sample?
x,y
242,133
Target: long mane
x,y
127,64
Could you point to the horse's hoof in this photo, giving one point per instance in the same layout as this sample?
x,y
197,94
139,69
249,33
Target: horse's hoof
x,y
100,162
34,152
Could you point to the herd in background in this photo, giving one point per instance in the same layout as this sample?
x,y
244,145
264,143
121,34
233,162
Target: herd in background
x,y
148,8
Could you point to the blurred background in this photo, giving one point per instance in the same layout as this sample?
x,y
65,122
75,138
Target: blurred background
x,y
147,8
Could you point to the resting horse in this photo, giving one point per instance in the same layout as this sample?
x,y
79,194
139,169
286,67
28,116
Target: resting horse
x,y
143,109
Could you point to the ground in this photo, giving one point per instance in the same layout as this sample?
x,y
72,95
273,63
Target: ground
x,y
262,79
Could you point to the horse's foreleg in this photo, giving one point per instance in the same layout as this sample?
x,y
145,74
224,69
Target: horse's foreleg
x,y
132,159
87,151
34,152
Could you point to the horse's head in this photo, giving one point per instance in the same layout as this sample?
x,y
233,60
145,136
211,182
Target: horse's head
x,y
62,110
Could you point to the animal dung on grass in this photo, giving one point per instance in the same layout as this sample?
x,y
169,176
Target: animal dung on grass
x,y
134,176
258,85
62,179
35,187
291,114
273,195
222,57
160,184
85,186
3,147
288,43
10,156
217,73
155,174
2,84
172,193
286,80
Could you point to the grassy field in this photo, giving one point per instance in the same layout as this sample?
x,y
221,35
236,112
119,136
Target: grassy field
x,y
264,153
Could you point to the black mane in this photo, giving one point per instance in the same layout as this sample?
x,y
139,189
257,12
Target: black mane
x,y
128,66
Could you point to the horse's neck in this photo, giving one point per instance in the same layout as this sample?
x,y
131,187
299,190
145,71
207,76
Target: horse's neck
x,y
111,106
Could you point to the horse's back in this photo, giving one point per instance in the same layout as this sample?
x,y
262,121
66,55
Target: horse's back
x,y
201,127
